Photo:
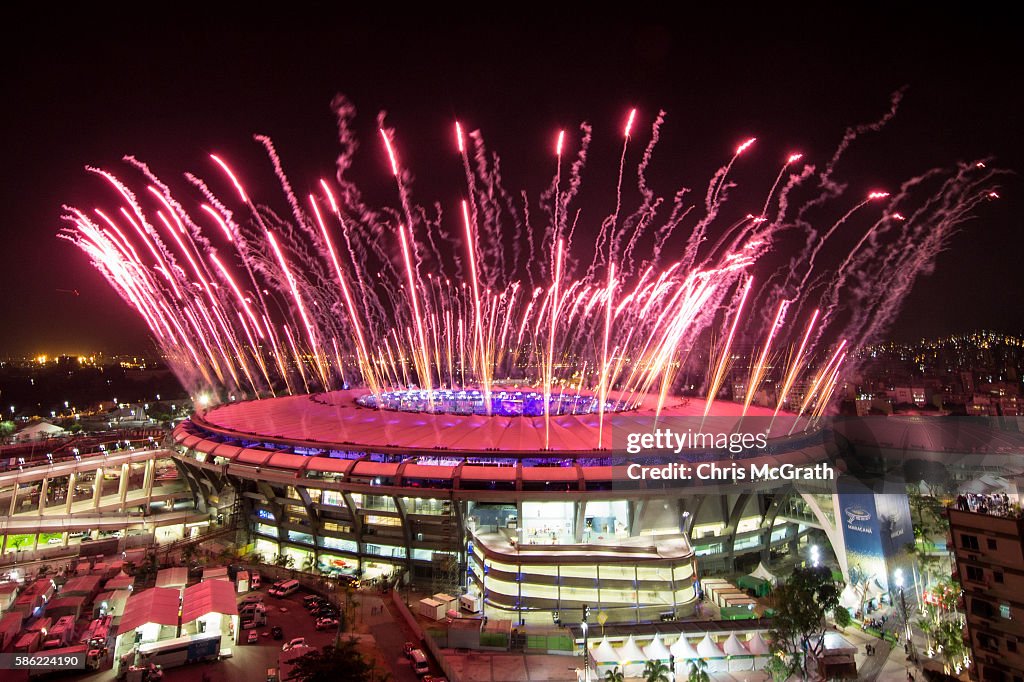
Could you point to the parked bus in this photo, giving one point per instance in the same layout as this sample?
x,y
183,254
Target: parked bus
x,y
180,651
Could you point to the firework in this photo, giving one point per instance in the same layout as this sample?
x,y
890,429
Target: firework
x,y
339,296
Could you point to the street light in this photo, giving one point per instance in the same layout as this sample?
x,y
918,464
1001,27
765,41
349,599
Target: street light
x,y
586,648
898,578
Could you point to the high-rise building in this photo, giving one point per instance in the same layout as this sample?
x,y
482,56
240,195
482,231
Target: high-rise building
x,y
988,543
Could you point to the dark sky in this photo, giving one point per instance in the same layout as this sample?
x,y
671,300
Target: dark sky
x,y
86,90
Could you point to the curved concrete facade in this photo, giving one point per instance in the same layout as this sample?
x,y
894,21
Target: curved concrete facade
x,y
458,502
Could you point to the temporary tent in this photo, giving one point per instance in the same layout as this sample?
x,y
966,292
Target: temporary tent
x,y
657,651
739,656
684,653
633,659
682,649
759,648
734,647
764,574
605,657
38,431
714,655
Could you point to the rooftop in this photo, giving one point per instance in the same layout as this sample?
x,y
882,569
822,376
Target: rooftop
x,y
337,421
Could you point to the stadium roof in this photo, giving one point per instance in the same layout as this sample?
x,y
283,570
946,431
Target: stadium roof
x,y
335,421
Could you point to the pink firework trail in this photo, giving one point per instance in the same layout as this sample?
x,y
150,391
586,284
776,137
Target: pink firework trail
x,y
413,300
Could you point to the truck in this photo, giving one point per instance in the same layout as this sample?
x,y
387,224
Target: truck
x,y
61,633
470,602
97,634
92,656
171,653
28,643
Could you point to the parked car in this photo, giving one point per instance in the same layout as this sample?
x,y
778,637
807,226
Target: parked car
x,y
326,611
253,637
276,632
311,601
407,649
420,662
294,642
326,623
434,678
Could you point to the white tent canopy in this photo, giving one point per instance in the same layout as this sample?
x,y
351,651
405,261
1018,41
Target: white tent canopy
x,y
656,650
758,646
708,649
764,574
734,647
631,653
682,649
605,653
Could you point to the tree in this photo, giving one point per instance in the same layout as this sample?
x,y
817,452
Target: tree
x,y
615,675
779,668
803,602
943,625
698,671
340,662
842,618
656,671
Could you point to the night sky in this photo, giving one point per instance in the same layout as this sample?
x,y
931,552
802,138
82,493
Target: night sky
x,y
85,90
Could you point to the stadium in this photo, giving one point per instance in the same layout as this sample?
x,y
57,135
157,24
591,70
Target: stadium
x,y
534,518
504,473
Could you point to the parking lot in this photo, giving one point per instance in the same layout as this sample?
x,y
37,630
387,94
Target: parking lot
x,y
382,635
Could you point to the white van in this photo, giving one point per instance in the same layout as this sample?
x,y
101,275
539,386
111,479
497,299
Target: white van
x,y
420,662
284,589
470,602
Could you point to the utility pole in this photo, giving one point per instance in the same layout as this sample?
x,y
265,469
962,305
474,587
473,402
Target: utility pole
x,y
586,648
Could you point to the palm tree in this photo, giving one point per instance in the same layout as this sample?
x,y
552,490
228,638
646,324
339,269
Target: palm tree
x,y
615,675
699,671
656,671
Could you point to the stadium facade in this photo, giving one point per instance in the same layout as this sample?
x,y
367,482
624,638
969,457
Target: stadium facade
x,y
525,512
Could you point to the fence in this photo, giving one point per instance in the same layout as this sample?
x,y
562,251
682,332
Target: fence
x,y
429,642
